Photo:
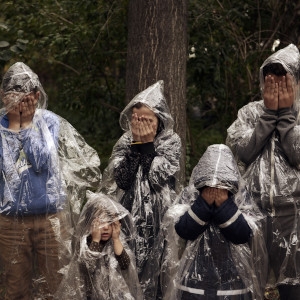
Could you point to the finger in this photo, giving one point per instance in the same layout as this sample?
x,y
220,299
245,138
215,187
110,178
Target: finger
x,y
284,82
275,91
289,83
114,224
143,125
268,82
282,85
134,120
271,83
117,223
281,89
149,124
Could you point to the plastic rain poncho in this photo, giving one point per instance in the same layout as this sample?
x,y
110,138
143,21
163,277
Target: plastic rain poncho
x,y
45,171
266,145
153,180
214,264
96,272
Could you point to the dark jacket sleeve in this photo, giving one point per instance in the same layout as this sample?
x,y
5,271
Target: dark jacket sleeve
x,y
123,260
289,135
195,221
262,132
125,172
148,153
227,217
231,222
138,154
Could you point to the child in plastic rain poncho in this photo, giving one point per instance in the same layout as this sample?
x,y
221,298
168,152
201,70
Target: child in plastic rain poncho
x,y
103,266
142,171
225,254
265,140
46,167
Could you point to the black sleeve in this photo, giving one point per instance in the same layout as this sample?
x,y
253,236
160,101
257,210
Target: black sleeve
x,y
94,246
148,153
232,223
289,135
195,221
126,171
123,260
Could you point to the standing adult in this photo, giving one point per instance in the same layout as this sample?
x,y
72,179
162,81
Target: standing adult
x,y
46,167
265,140
142,172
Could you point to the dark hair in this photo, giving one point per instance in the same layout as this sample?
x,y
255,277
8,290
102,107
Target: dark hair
x,y
275,69
139,105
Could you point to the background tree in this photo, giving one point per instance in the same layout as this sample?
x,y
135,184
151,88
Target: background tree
x,y
228,42
157,49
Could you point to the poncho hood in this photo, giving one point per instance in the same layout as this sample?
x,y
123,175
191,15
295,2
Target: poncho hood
x,y
216,168
289,58
18,81
152,97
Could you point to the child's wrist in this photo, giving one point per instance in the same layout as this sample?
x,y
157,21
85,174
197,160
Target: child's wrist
x,y
96,240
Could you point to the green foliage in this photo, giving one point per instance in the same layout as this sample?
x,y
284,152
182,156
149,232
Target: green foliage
x,y
77,49
228,41
10,46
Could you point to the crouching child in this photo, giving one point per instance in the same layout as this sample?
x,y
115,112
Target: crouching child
x,y
225,256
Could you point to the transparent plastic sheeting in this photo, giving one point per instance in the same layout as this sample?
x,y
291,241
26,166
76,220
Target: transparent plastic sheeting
x,y
210,262
288,57
101,268
45,171
154,177
267,148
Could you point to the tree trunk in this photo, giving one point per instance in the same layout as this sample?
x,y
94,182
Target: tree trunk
x,y
157,50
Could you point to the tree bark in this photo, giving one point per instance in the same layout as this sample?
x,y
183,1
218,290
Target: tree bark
x,y
157,50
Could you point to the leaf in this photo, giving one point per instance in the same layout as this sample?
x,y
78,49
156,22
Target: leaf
x,y
3,26
15,49
22,41
21,46
4,44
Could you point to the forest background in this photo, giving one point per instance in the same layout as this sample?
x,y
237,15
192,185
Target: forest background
x,y
81,51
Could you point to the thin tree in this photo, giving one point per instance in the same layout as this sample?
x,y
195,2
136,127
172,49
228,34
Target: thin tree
x,y
157,50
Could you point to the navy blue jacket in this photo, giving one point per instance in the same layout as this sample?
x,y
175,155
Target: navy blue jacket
x,y
227,217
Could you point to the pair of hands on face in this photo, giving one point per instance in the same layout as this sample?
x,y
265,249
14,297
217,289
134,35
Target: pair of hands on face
x,y
278,94
21,114
214,195
142,129
97,228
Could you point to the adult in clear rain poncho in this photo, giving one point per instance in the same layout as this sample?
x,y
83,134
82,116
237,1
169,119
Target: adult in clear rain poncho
x,y
225,250
103,266
265,140
142,172
46,167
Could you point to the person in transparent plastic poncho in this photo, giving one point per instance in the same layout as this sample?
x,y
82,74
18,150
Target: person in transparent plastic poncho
x,y
103,266
265,140
46,167
143,172
224,253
